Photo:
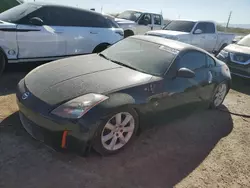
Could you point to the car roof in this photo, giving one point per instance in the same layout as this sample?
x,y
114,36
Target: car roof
x,y
143,11
177,45
194,20
63,6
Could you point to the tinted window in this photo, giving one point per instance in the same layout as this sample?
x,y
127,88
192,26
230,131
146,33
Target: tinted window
x,y
210,28
184,26
142,55
193,60
41,13
206,27
147,17
61,16
112,23
210,62
201,26
15,14
157,19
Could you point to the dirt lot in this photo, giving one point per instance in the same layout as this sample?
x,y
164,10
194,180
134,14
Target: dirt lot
x,y
207,149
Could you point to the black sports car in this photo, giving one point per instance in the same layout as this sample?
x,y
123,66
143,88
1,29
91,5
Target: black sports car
x,y
96,100
237,57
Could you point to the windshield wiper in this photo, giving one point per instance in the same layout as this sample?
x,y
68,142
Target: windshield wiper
x,y
119,63
122,64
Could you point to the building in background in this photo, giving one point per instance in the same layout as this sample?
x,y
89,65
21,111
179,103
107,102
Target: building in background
x,y
7,4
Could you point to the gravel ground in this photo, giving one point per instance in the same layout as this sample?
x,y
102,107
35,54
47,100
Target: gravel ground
x,y
208,148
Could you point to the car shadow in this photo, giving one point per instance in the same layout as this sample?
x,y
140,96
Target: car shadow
x,y
160,157
12,75
241,84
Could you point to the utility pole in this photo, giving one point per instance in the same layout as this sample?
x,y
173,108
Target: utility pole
x,y
229,17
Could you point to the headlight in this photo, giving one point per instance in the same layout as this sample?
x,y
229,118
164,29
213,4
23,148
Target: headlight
x,y
224,53
79,106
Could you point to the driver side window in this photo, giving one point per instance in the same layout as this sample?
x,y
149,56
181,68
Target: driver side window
x,y
193,60
146,18
41,13
201,26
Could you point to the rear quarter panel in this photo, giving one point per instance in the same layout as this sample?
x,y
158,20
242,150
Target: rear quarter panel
x,y
107,35
223,38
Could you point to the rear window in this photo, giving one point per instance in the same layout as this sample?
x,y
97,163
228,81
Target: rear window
x,y
178,25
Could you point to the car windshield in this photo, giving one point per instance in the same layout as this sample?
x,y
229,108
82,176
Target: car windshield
x,y
245,41
130,15
144,56
16,13
177,25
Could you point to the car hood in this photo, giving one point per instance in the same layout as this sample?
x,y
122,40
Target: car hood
x,y
123,21
166,33
68,78
238,48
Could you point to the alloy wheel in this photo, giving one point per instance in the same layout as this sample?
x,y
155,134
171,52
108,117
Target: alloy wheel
x,y
118,131
220,94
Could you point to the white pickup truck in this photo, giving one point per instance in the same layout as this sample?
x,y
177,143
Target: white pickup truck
x,y
202,34
138,22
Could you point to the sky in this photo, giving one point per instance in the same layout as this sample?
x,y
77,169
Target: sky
x,y
216,10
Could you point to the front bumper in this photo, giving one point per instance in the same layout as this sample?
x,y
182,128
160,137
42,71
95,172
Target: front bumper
x,y
51,131
235,68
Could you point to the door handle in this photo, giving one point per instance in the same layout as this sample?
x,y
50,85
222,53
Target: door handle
x,y
93,32
58,31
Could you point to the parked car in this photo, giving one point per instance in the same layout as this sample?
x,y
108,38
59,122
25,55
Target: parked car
x,y
97,99
202,34
34,32
138,22
237,39
237,57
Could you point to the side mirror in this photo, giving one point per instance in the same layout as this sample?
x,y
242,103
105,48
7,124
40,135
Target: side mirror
x,y
198,31
185,73
36,21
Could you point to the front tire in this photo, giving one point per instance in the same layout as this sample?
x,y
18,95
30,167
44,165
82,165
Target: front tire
x,y
219,95
2,62
116,131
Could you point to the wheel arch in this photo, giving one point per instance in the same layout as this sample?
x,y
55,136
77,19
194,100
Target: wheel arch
x,y
100,46
128,32
5,55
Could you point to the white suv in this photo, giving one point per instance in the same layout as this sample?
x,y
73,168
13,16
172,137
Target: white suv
x,y
42,32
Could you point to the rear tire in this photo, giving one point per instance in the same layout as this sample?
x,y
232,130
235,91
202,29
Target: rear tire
x,y
100,48
128,33
2,62
115,134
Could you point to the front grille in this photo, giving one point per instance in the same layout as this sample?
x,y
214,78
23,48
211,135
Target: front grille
x,y
34,130
39,133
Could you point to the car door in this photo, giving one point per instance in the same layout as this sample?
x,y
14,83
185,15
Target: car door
x,y
181,95
199,39
157,22
81,32
40,41
211,37
212,74
144,23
